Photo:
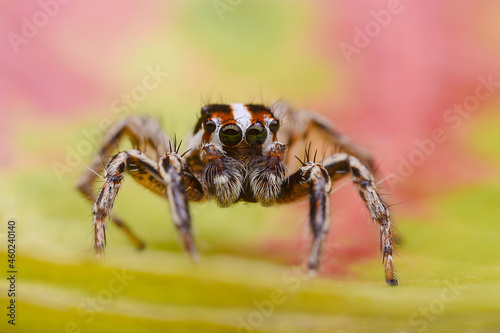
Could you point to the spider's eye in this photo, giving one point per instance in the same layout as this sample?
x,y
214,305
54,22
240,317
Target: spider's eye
x,y
274,126
209,126
230,135
256,135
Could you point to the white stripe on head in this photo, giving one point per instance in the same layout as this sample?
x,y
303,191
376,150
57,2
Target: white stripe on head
x,y
242,116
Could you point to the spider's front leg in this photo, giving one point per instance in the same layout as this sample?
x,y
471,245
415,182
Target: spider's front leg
x,y
177,177
315,179
145,133
169,177
103,206
312,179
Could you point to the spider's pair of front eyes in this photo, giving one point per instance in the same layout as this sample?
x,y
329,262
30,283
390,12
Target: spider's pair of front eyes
x,y
231,134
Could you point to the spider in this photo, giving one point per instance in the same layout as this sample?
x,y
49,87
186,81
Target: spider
x,y
233,155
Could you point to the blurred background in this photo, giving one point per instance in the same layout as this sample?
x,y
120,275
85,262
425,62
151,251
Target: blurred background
x,y
416,82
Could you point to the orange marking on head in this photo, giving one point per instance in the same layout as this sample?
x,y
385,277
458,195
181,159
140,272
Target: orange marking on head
x,y
225,117
260,116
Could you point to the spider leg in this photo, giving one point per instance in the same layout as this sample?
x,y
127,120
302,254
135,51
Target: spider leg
x,y
165,178
379,211
144,132
297,125
319,213
103,206
171,167
314,179
311,179
138,243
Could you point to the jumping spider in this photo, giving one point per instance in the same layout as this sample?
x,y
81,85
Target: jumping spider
x,y
234,155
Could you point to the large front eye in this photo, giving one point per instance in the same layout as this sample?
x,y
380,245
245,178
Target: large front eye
x,y
230,135
256,135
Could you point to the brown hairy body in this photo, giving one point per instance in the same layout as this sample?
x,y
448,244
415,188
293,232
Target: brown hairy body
x,y
236,153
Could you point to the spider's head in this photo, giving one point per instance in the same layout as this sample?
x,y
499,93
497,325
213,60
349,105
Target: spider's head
x,y
238,125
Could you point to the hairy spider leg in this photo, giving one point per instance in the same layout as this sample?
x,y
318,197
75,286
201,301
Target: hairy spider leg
x,y
296,126
315,179
144,133
168,178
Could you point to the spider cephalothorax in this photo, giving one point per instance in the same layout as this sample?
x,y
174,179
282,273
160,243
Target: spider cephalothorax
x,y
236,153
241,155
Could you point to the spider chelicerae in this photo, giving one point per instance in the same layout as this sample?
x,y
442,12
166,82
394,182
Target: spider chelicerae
x,y
237,152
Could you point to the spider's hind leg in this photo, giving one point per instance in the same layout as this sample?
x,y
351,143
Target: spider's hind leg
x,y
297,125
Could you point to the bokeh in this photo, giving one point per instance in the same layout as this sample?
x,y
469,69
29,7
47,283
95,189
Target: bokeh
x,y
415,82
